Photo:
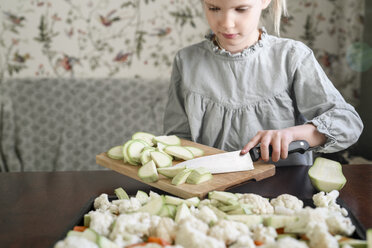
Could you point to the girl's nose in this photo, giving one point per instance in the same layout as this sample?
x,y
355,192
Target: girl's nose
x,y
227,20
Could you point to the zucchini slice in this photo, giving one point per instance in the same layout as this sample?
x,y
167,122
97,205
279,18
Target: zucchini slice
x,y
116,152
326,175
148,172
179,152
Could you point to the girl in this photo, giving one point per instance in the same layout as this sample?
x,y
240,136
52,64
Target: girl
x,y
242,87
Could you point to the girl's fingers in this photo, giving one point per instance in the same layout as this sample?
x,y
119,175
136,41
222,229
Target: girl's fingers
x,y
276,146
284,149
264,147
252,143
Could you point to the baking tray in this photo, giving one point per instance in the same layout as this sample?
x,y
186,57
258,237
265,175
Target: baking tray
x,y
360,232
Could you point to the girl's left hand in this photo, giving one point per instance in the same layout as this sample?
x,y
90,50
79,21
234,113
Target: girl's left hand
x,y
278,139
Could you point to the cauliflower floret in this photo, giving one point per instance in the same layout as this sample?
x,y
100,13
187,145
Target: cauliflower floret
x,y
320,237
127,239
100,221
129,205
228,231
243,242
264,234
102,202
286,204
285,243
322,199
191,232
129,225
307,216
259,204
207,215
338,224
75,242
194,223
166,229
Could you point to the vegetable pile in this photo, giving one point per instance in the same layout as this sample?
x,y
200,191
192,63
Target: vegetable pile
x,y
154,155
223,220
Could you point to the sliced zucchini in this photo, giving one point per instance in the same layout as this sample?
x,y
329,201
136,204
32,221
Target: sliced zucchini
x,y
104,242
183,211
355,243
173,200
142,197
193,201
74,233
121,194
145,155
91,235
278,221
167,140
148,172
161,159
134,150
181,177
153,206
164,212
220,214
250,220
369,237
179,152
326,175
116,152
172,209
171,171
225,197
199,175
86,220
240,210
227,208
160,147
125,152
147,137
195,151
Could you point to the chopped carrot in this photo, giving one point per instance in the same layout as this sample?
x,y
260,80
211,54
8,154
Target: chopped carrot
x,y
258,243
80,228
158,240
280,230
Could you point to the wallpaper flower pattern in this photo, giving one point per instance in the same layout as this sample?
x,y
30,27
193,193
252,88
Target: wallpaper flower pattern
x,y
139,38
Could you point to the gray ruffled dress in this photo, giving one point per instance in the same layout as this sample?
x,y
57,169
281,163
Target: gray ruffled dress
x,y
221,99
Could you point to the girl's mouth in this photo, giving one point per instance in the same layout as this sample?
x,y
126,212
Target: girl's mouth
x,y
229,36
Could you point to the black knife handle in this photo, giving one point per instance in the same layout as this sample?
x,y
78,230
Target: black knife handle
x,y
300,146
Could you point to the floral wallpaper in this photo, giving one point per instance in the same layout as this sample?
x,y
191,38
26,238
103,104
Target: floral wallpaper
x,y
139,38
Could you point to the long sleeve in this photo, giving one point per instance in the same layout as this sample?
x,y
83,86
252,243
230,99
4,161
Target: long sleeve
x,y
175,118
323,105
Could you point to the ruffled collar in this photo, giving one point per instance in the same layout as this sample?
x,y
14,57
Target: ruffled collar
x,y
247,51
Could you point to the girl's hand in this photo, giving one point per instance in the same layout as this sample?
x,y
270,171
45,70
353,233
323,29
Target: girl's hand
x,y
280,140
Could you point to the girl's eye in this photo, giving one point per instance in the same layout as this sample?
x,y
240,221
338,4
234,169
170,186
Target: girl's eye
x,y
241,9
213,8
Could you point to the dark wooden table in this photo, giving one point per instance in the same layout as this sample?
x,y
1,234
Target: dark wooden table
x,y
37,207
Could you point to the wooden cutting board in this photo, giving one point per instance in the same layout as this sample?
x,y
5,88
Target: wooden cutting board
x,y
218,182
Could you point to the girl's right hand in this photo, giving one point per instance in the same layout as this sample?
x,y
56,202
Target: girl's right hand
x,y
278,139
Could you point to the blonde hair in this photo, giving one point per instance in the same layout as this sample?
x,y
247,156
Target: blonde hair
x,y
278,8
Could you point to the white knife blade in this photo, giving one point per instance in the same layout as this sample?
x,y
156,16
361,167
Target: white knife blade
x,y
221,163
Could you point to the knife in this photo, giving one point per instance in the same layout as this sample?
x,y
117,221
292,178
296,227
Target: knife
x,y
234,162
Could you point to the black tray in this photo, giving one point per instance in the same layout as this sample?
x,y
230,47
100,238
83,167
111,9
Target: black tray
x,y
360,232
